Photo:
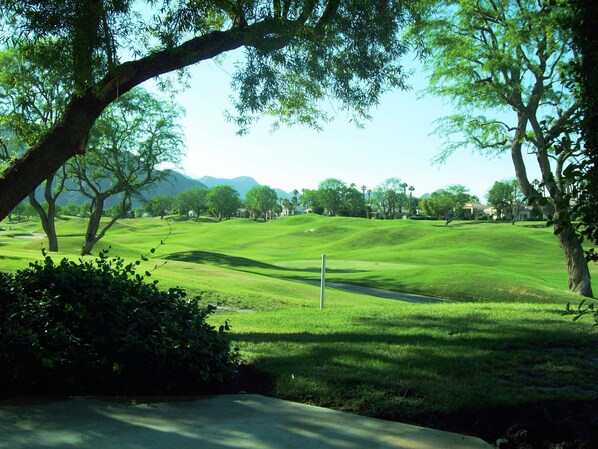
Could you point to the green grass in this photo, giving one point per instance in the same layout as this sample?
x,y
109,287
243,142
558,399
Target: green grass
x,y
403,361
503,344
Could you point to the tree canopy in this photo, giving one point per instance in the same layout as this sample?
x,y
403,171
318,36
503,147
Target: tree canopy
x,y
584,22
260,201
223,201
296,54
506,198
447,202
132,137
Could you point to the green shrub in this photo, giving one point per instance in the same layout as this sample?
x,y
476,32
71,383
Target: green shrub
x,y
98,327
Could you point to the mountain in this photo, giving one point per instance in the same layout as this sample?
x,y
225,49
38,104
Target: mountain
x,y
173,184
241,184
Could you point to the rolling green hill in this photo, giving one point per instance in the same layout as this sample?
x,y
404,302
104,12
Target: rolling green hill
x,y
464,261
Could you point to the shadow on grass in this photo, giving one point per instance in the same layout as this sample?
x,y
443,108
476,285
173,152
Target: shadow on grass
x,y
453,373
460,224
236,262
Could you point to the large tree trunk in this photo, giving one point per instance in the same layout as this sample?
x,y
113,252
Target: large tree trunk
x,y
577,266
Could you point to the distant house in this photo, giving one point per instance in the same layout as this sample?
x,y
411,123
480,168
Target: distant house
x,y
298,210
192,214
474,210
524,213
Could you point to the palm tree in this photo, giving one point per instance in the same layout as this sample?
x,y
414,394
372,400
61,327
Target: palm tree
x,y
411,189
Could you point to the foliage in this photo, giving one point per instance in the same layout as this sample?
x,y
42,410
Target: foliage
x,y
70,209
159,205
583,22
297,56
507,199
313,200
261,200
132,137
447,202
337,198
98,327
32,91
193,199
583,308
390,196
504,65
223,201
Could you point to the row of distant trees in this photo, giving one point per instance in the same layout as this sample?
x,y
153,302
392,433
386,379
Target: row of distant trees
x,y
220,202
389,200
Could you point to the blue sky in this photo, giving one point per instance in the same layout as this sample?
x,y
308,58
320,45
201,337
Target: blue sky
x,y
397,142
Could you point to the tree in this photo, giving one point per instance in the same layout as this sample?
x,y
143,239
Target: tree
x,y
331,195
295,201
413,202
70,209
313,200
159,205
493,58
223,201
260,200
31,100
389,197
131,138
506,196
297,54
193,199
19,211
447,202
352,203
583,22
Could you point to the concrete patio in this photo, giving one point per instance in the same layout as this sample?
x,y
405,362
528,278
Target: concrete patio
x,y
215,422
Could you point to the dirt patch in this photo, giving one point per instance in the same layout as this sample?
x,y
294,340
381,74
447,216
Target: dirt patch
x,y
32,236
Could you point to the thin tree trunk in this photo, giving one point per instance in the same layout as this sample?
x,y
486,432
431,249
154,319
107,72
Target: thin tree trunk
x,y
48,220
92,226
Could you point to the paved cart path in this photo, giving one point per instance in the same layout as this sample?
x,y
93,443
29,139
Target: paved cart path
x,y
382,293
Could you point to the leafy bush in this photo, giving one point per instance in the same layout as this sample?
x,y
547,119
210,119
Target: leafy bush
x,y
98,327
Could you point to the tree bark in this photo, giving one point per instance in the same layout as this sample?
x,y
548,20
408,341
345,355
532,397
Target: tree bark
x,y
93,225
48,221
577,266
48,218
